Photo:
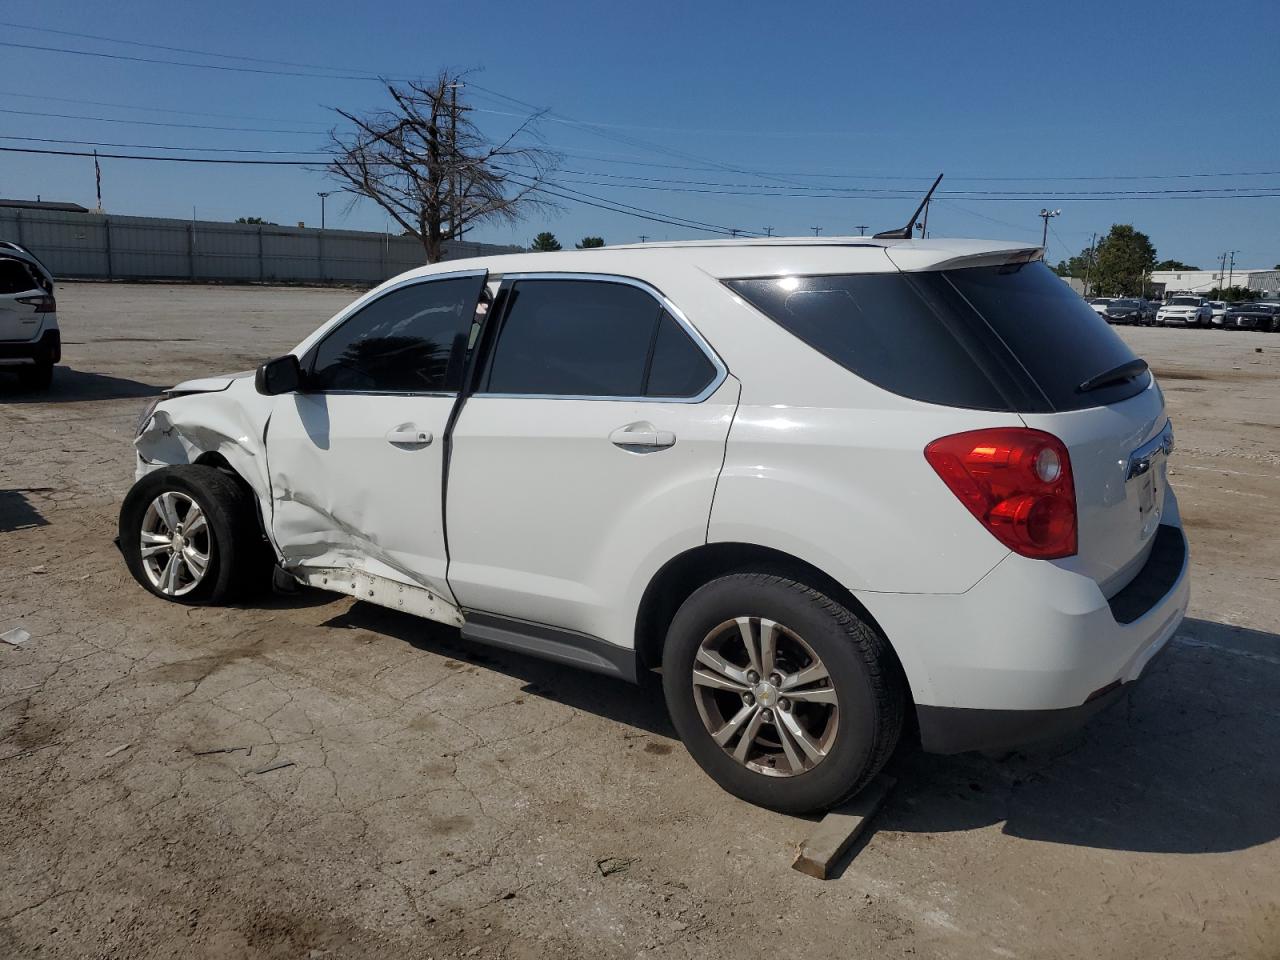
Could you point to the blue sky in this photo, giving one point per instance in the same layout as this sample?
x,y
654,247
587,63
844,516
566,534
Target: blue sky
x,y
736,98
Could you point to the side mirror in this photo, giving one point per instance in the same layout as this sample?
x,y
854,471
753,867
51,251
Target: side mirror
x,y
281,375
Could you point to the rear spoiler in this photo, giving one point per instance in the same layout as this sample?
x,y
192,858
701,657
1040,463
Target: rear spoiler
x,y
918,256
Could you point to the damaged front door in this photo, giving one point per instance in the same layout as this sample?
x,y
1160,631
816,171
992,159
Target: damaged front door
x,y
356,456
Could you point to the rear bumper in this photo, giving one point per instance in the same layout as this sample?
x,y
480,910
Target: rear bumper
x,y
1034,650
47,348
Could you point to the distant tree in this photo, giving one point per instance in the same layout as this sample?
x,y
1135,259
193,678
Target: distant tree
x,y
545,242
1173,265
1234,294
588,243
1123,261
259,220
431,169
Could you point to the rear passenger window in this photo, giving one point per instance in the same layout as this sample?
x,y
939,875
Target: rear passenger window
x,y
679,368
877,326
15,277
411,340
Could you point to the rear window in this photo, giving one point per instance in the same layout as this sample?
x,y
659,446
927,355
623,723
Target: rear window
x,y
1011,337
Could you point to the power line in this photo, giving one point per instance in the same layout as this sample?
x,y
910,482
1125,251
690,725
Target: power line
x,y
159,46
183,63
153,109
154,123
154,146
130,156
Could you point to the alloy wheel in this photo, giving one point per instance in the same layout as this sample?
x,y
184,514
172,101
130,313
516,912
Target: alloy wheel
x,y
175,544
765,696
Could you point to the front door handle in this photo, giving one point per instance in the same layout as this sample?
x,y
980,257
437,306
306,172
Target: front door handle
x,y
408,433
642,436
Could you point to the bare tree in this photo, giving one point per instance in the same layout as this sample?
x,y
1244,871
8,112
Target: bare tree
x,y
430,168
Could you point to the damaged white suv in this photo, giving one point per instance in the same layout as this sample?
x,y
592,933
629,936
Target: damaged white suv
x,y
832,489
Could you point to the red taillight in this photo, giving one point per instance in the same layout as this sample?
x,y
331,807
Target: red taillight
x,y
43,304
1017,482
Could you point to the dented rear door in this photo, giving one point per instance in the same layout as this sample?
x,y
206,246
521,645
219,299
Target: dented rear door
x,y
356,457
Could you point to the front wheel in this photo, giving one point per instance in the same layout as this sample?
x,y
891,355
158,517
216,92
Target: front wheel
x,y
190,534
784,696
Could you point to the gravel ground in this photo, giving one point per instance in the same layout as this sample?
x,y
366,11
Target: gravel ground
x,y
444,801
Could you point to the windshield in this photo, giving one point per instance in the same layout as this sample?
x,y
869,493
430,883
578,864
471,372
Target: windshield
x,y
1184,302
1101,300
1125,303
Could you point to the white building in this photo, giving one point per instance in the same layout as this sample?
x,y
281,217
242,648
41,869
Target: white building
x,y
1199,281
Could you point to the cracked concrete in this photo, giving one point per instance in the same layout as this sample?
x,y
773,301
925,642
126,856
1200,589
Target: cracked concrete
x,y
450,801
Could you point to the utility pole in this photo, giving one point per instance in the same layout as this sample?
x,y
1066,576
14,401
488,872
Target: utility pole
x,y
816,230
1232,275
1045,215
924,227
643,237
768,231
734,231
862,229
1088,264
323,195
1222,272
455,182
97,176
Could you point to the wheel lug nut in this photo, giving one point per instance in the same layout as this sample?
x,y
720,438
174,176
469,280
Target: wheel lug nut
x,y
775,679
784,704
753,676
768,715
748,699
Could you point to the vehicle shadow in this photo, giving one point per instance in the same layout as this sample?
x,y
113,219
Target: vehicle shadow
x,y
18,513
1188,763
640,707
71,386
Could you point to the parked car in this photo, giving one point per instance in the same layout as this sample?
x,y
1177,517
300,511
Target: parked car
x,y
1099,305
832,489
1184,311
1217,312
1123,310
30,341
1253,316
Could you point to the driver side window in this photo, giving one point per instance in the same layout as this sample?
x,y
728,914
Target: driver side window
x,y
410,340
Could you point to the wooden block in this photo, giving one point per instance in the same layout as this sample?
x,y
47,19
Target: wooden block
x,y
839,828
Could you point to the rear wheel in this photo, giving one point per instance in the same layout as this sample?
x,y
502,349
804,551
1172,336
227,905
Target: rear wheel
x,y
190,534
781,694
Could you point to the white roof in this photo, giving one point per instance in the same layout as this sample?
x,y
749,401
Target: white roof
x,y
770,256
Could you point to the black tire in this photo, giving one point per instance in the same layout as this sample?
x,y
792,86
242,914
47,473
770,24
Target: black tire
x,y
862,668
237,548
36,376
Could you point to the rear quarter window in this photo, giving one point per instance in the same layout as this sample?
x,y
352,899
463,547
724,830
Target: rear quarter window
x,y
1012,338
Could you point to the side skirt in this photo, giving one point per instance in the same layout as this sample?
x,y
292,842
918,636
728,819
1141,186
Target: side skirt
x,y
550,643
382,591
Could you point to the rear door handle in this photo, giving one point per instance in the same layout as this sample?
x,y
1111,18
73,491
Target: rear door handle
x,y
407,433
642,435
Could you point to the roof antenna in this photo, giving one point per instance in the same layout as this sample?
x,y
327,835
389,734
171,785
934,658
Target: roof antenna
x,y
905,233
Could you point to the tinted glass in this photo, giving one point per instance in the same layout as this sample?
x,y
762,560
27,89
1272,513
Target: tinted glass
x,y
880,327
15,277
995,338
410,340
574,338
679,367
1049,329
1184,302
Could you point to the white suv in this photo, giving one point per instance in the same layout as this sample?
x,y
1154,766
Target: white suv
x,y
1185,311
832,489
30,341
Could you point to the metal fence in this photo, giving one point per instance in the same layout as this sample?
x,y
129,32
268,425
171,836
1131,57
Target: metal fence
x,y
108,247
